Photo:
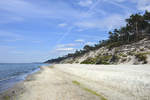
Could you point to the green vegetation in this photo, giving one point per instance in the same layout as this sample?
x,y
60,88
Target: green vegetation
x,y
89,90
115,58
137,28
51,67
142,57
112,45
124,59
77,62
6,97
142,49
76,82
131,53
103,59
123,55
95,93
89,61
70,62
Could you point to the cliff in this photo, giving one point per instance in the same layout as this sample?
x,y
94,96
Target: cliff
x,y
127,45
134,53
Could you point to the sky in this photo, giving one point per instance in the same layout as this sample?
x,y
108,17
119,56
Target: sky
x,y
38,30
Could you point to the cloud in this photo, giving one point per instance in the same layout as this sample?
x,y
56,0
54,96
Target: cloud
x,y
36,41
66,45
143,5
16,10
62,24
85,3
86,24
65,49
17,52
90,43
119,1
10,36
11,40
79,40
6,47
113,21
7,36
140,4
20,10
101,19
107,23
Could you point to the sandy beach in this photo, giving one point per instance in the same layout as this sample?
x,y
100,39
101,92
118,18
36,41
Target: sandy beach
x,y
84,82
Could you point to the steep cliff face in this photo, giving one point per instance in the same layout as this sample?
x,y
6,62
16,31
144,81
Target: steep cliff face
x,y
134,53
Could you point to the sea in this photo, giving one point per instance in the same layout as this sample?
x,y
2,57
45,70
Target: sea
x,y
12,73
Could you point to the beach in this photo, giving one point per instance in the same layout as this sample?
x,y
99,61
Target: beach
x,y
84,82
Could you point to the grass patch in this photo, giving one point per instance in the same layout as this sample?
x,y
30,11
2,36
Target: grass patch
x,y
131,53
100,59
114,44
6,97
142,57
104,59
123,55
76,82
115,58
70,62
89,61
89,90
95,93
51,67
77,62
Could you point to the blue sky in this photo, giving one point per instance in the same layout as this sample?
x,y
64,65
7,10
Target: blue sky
x,y
38,30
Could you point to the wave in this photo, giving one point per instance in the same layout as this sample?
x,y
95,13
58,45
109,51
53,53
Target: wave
x,y
9,82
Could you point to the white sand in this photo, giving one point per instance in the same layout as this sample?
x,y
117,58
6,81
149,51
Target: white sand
x,y
113,82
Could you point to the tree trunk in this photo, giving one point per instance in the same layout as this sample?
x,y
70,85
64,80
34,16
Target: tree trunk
x,y
136,34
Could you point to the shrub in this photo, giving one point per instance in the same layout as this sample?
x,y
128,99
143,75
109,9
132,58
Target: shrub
x,y
129,59
115,44
131,53
142,49
6,97
70,61
89,61
115,58
124,59
123,55
77,62
103,59
141,57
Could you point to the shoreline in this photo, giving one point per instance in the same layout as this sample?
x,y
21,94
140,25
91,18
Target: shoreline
x,y
85,82
18,87
17,77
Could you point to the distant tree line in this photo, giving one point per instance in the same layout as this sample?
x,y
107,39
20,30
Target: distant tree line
x,y
137,27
